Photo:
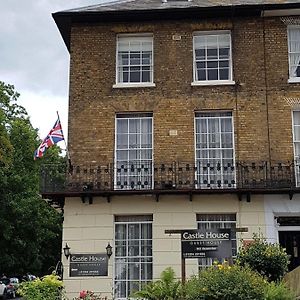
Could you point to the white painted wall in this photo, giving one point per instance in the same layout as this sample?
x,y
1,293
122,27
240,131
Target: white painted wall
x,y
279,205
88,228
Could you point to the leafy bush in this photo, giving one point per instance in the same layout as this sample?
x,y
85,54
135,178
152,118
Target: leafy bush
x,y
278,291
49,288
167,288
270,260
89,295
223,282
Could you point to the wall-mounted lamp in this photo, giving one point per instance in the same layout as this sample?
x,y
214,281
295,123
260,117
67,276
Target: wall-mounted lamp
x,y
67,251
109,250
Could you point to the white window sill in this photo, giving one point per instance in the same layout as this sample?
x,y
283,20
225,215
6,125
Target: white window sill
x,y
213,82
294,80
133,85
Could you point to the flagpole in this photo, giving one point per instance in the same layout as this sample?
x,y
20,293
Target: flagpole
x,y
67,151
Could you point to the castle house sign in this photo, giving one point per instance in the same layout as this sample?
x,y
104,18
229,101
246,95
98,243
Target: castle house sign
x,y
214,243
88,265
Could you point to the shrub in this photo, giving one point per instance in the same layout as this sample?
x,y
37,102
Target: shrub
x,y
167,288
278,291
270,260
225,282
50,287
89,295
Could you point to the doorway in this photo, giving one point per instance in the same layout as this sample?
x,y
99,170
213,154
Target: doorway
x,y
290,240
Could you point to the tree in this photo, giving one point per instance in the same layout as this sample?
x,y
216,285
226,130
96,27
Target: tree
x,y
30,230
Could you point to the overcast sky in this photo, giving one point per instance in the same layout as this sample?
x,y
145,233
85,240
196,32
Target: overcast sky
x,y
33,58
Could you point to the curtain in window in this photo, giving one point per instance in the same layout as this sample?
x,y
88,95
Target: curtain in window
x,y
133,254
133,152
296,137
214,150
134,59
294,49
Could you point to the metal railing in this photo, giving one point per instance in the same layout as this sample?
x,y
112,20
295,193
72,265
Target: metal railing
x,y
167,176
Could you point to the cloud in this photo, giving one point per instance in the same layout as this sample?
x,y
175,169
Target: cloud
x,y
42,109
33,57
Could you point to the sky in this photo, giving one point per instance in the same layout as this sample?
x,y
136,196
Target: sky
x,y
34,58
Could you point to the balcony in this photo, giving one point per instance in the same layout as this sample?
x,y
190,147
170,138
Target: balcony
x,y
242,178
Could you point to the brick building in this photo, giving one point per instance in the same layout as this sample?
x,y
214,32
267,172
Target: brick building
x,y
182,115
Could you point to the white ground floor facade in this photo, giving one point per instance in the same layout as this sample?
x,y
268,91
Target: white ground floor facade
x,y
135,227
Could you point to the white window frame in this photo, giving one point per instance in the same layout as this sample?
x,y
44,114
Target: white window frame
x,y
128,117
127,257
296,157
134,37
201,185
292,79
207,262
228,81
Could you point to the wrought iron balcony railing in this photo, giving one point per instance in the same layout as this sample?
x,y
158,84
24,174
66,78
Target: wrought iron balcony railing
x,y
169,176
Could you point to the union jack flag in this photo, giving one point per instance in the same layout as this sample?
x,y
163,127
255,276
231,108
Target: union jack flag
x,y
54,136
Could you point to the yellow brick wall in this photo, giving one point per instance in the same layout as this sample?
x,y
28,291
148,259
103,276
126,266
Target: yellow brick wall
x,y
262,118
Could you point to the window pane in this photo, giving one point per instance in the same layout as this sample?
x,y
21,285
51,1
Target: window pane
x,y
135,58
224,64
135,76
146,126
134,125
146,231
296,117
200,42
201,75
211,41
224,74
146,141
212,53
146,57
212,74
125,76
200,54
224,53
212,64
224,40
120,248
123,58
122,125
122,141
146,76
120,231
133,248
134,140
134,155
122,155
226,125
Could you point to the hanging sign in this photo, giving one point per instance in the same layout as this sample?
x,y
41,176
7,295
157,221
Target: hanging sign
x,y
210,243
88,265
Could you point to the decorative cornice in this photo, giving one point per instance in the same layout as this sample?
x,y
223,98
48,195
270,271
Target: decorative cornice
x,y
290,20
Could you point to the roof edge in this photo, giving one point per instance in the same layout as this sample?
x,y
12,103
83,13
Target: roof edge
x,y
65,19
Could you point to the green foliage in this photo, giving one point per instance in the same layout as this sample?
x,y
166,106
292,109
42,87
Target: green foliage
x,y
49,288
224,282
30,230
270,260
167,288
278,291
89,295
